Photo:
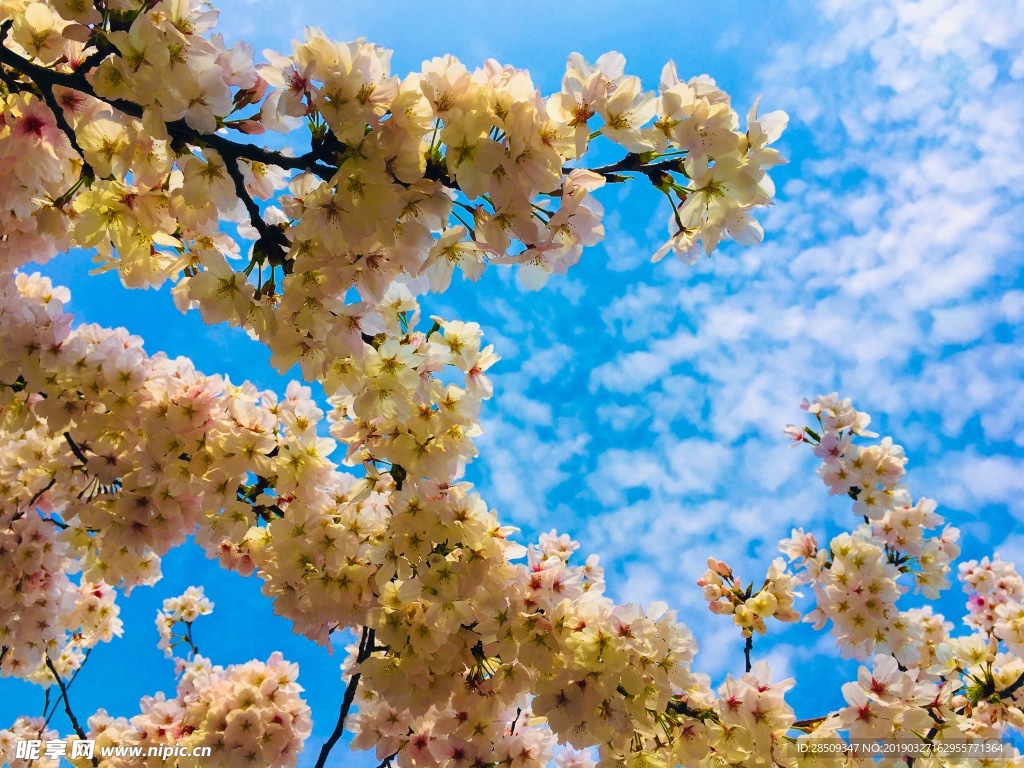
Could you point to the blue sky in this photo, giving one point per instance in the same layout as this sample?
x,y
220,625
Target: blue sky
x,y
639,407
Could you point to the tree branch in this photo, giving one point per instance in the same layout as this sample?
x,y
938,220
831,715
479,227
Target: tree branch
x,y
71,682
808,723
40,492
95,58
633,163
65,127
178,129
188,639
365,649
1015,686
747,648
76,450
272,243
13,86
67,705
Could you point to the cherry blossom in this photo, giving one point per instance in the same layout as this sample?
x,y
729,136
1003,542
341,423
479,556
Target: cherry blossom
x,y
126,132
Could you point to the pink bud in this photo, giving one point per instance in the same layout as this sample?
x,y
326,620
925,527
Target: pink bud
x,y
251,127
794,433
259,89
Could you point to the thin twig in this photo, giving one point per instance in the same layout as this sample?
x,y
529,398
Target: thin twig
x,y
272,240
13,86
94,59
62,123
747,648
42,728
512,728
75,449
810,722
188,639
40,492
365,646
632,163
67,705
1015,686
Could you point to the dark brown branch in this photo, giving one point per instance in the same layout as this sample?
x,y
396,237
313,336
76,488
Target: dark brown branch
x,y
1015,686
46,709
42,727
272,244
365,649
40,492
67,705
188,639
747,648
13,86
66,129
71,682
634,163
810,722
75,449
95,58
680,706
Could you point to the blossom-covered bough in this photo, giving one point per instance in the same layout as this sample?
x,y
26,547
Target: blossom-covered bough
x,y
125,129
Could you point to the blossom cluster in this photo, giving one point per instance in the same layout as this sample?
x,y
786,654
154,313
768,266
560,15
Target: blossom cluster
x,y
744,725
129,453
406,550
184,608
130,445
36,164
932,705
42,613
447,169
117,456
474,649
548,657
749,607
858,578
925,685
516,656
248,714
996,602
26,729
37,593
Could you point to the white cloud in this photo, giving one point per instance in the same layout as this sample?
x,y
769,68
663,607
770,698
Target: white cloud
x,y
672,468
970,481
891,271
1012,550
